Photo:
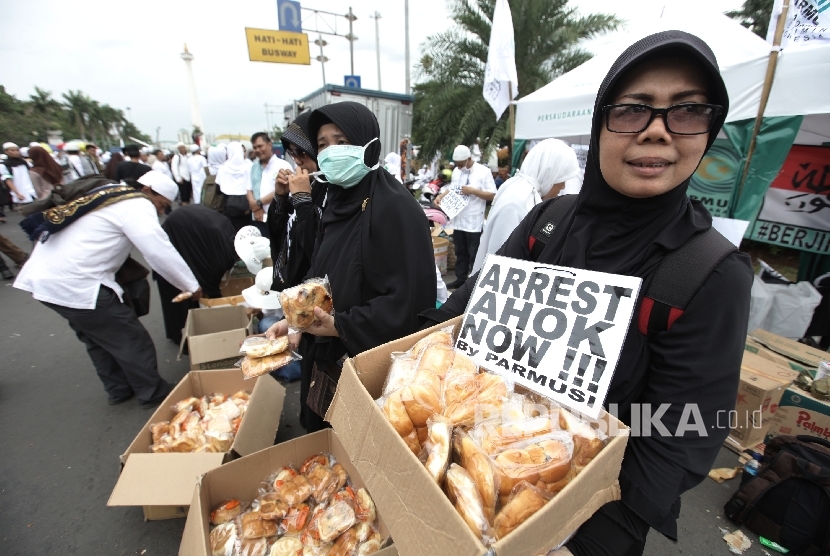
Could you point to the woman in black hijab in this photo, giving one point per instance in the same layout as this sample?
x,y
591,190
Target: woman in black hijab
x,y
204,239
632,211
373,246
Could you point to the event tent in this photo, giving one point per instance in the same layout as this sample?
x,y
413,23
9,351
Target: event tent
x,y
564,107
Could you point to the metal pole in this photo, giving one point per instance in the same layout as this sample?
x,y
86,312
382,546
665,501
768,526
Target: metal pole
x,y
322,58
768,79
406,45
351,39
267,120
377,46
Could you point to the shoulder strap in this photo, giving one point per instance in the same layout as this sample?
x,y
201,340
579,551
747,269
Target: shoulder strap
x,y
679,276
546,222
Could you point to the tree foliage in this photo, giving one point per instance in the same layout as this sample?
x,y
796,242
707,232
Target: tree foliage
x,y
449,107
77,117
754,15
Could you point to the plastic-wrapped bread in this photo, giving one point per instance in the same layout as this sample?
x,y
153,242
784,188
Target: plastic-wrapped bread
x,y
287,546
371,545
364,508
395,411
346,544
462,492
422,398
437,358
323,482
226,511
297,518
317,459
525,501
588,442
438,448
401,372
271,506
254,367
295,491
257,346
336,519
223,539
253,547
547,460
481,470
486,395
496,439
254,527
298,303
443,337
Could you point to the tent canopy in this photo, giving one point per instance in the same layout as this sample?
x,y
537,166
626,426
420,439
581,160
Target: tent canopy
x,y
564,107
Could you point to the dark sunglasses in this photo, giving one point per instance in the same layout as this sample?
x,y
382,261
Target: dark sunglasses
x,y
681,119
295,154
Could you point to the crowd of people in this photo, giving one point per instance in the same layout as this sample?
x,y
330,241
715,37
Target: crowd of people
x,y
336,212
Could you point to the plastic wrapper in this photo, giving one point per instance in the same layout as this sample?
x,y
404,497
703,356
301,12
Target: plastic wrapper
x,y
323,482
364,507
190,404
588,441
438,448
422,398
346,544
486,397
342,476
316,548
394,409
295,491
494,436
287,546
277,478
336,519
438,358
317,459
271,506
226,511
443,337
296,520
223,539
254,367
546,458
481,469
253,547
258,346
525,500
462,492
253,526
298,303
363,530
401,372
371,545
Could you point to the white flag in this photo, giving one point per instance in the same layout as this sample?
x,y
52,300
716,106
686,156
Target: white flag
x,y
501,61
808,22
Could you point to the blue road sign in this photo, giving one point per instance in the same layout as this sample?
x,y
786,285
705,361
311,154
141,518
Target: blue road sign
x,y
352,81
290,16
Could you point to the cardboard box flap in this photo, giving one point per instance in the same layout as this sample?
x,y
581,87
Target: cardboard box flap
x,y
759,364
262,419
161,479
790,348
214,333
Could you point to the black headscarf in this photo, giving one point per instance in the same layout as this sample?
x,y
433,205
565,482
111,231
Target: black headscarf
x,y
373,246
610,232
297,134
204,239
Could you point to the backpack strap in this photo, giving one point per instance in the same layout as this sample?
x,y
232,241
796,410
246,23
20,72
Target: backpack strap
x,y
547,222
678,278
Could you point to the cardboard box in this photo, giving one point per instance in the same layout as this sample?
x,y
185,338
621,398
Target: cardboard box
x,y
801,356
420,517
757,363
758,398
233,300
163,483
236,280
241,478
801,413
213,336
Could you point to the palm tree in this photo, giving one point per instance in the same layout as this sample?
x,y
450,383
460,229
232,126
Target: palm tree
x,y
449,106
755,15
78,105
43,103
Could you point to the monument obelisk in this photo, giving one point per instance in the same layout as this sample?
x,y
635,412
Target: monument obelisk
x,y
195,114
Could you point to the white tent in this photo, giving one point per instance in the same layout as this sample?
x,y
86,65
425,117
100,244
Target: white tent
x,y
564,107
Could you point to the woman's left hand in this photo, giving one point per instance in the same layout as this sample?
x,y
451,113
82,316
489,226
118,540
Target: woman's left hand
x,y
323,324
299,182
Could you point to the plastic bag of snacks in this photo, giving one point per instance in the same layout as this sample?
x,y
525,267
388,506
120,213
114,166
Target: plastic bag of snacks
x,y
524,501
481,469
277,354
298,303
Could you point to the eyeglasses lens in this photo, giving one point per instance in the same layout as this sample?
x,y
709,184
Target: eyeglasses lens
x,y
686,119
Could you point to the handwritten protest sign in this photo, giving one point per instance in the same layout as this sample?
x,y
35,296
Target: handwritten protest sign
x,y
453,203
557,331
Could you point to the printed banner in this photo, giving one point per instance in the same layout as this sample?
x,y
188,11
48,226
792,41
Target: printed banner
x,y
713,182
554,330
808,22
796,209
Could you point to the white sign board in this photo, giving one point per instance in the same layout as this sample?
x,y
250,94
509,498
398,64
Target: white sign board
x,y
453,203
808,22
557,331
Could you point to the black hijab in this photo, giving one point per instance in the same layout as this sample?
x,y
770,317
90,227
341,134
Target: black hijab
x,y
204,239
609,232
297,134
374,246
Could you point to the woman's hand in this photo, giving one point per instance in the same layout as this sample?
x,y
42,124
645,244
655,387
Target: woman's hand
x,y
323,324
299,182
281,329
281,184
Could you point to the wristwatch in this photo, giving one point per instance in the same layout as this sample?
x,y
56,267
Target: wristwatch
x,y
259,203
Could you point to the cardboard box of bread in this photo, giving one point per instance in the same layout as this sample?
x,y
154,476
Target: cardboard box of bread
x,y
797,356
221,301
303,496
213,335
461,462
210,418
801,413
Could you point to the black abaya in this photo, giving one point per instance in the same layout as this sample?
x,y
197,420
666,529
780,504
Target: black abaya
x,y
695,364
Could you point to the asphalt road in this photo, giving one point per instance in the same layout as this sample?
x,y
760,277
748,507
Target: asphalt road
x,y
62,443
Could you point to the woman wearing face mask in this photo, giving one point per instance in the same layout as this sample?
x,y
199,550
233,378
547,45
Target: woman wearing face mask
x,y
544,172
656,114
372,245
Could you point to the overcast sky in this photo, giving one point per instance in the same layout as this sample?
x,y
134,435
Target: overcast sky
x,y
126,54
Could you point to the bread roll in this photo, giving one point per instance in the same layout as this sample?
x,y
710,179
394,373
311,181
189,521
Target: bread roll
x,y
257,346
189,404
395,412
371,545
363,530
253,547
271,506
345,545
401,373
438,337
462,491
223,540
502,436
157,430
318,459
481,470
254,527
438,449
336,519
437,358
364,508
423,434
412,442
295,491
252,367
322,480
563,482
284,474
226,511
422,398
557,461
523,505
298,304
297,518
287,546
342,476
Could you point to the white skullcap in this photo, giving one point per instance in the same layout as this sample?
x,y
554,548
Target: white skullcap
x,y
179,144
195,148
161,184
461,153
9,145
34,144
72,146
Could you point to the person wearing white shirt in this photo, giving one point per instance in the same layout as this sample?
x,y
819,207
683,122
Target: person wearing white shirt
x,y
15,174
474,183
196,164
262,183
181,173
72,271
160,165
